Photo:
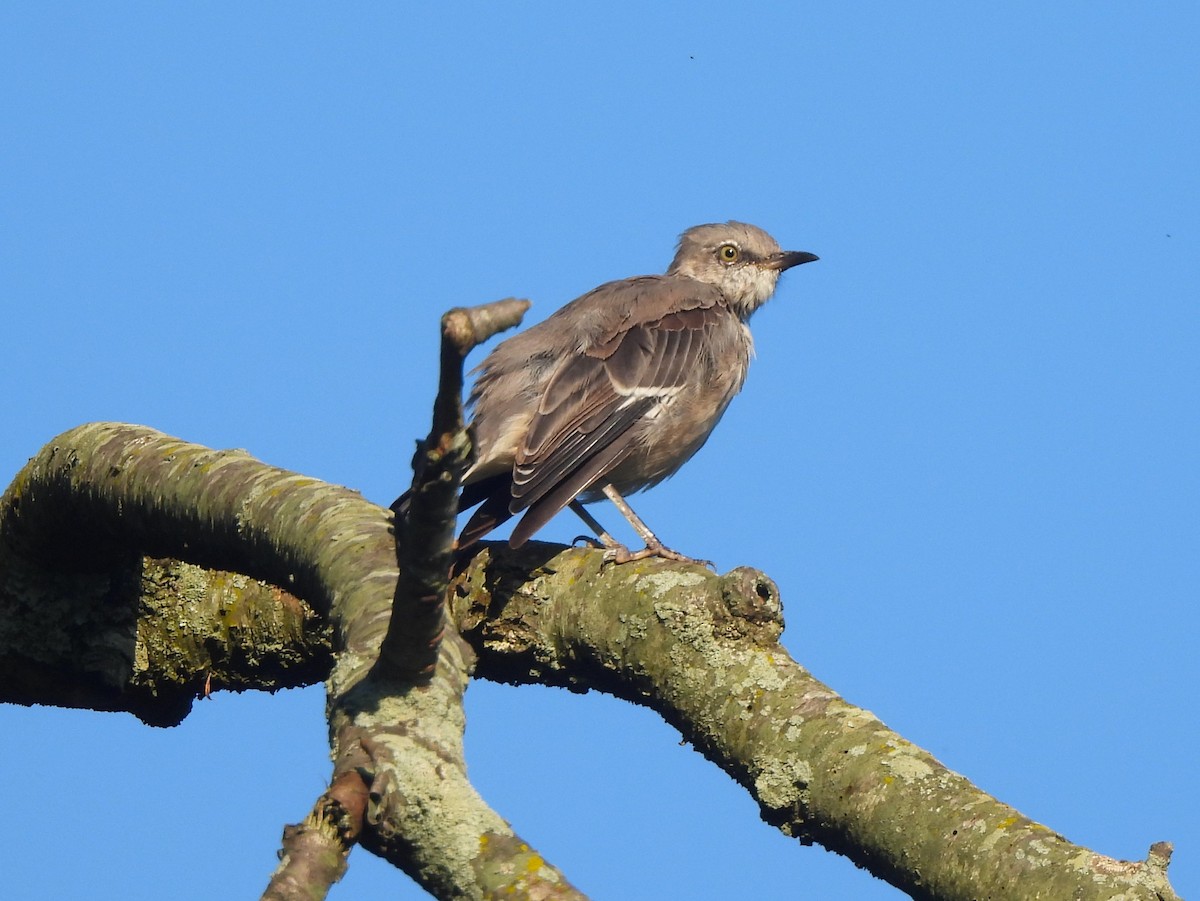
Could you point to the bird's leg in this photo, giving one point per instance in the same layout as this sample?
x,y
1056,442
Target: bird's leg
x,y
654,547
602,539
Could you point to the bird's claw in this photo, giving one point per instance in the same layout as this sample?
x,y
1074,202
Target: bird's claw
x,y
620,554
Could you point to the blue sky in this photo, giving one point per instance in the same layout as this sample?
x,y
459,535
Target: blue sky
x,y
967,451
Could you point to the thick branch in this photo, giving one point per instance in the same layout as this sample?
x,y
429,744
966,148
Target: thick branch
x,y
149,636
702,650
104,494
423,814
97,499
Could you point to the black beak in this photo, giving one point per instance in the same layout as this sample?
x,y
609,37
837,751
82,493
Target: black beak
x,y
786,259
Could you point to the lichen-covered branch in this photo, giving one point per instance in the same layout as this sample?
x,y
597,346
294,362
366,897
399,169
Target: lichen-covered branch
x,y
703,651
107,494
87,510
396,716
145,635
79,523
423,814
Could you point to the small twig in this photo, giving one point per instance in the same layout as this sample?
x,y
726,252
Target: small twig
x,y
314,852
425,531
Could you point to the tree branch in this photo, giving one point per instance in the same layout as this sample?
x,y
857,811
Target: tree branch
x,y
702,651
98,498
150,638
315,851
426,518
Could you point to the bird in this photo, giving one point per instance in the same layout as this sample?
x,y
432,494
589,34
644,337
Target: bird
x,y
616,390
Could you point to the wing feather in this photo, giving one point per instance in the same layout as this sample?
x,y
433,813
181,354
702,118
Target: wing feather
x,y
586,420
544,509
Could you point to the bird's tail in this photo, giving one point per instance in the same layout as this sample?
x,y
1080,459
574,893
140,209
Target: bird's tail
x,y
491,495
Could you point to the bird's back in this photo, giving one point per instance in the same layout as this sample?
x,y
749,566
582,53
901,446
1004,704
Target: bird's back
x,y
647,367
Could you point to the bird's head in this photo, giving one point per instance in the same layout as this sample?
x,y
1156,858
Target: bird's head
x,y
742,260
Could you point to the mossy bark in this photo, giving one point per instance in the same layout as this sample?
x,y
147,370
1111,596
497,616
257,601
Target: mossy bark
x,y
288,580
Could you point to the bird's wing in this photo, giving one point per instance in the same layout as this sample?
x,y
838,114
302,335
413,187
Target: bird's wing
x,y
583,426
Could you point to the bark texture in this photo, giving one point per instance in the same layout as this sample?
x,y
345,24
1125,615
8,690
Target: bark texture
x,y
702,650
286,580
97,499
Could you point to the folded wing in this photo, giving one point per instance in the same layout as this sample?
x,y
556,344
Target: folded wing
x,y
590,418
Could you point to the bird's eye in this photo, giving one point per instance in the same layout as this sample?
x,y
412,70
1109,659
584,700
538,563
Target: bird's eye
x,y
728,253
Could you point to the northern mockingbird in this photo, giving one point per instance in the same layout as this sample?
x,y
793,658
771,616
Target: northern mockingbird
x,y
616,390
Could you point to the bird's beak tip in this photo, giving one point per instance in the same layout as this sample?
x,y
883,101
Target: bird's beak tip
x,y
786,259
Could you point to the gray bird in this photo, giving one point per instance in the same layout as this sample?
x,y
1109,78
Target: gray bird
x,y
619,388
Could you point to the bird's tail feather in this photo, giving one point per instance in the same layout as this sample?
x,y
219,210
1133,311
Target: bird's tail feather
x,y
491,495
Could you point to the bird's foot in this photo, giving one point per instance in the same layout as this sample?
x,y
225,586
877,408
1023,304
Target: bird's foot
x,y
618,553
587,541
